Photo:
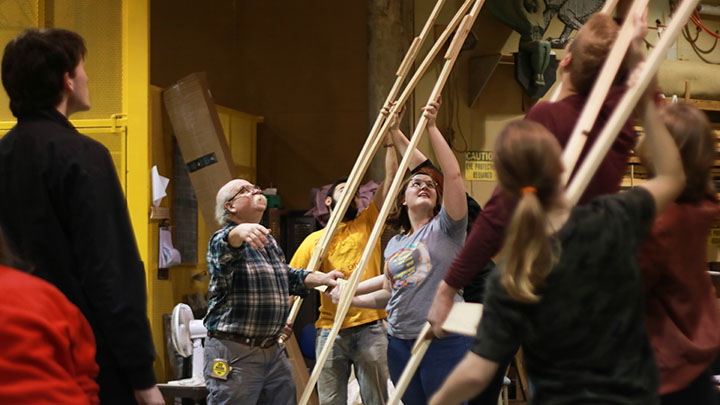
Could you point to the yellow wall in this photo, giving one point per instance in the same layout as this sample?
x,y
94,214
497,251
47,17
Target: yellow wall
x,y
117,38
99,22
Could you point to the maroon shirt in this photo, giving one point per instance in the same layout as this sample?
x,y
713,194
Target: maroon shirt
x,y
681,313
486,236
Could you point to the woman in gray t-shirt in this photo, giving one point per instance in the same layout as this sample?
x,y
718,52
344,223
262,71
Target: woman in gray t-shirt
x,y
431,215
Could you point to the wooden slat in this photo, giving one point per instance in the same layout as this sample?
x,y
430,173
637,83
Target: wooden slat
x,y
392,193
371,145
596,99
464,318
628,102
422,343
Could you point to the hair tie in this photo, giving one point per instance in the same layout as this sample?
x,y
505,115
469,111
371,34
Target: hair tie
x,y
529,190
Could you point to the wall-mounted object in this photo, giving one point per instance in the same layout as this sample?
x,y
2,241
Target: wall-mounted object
x,y
159,212
526,17
573,13
535,64
202,141
168,256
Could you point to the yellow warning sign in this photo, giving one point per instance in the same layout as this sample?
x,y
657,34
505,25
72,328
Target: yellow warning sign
x,y
714,239
479,166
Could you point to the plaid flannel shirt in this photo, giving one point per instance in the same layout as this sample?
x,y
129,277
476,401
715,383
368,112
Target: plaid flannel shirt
x,y
249,289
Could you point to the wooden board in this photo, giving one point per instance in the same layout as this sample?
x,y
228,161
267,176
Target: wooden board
x,y
464,318
300,370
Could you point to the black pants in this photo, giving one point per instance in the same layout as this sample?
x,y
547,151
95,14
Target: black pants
x,y
701,391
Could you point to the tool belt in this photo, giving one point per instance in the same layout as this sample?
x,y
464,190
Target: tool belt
x,y
262,343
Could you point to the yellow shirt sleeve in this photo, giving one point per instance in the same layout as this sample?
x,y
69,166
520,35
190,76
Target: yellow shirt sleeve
x,y
304,252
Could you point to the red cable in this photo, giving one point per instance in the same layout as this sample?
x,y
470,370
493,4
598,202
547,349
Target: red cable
x,y
698,22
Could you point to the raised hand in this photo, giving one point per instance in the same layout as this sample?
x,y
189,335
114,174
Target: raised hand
x,y
396,118
430,112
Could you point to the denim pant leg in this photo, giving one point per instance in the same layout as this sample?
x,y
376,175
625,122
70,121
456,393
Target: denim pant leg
x,y
440,360
333,380
369,356
279,388
398,355
245,379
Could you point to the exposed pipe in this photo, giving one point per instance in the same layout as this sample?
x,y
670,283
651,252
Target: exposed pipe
x,y
707,9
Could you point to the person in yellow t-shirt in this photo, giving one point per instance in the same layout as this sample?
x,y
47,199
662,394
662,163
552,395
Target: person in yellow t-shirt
x,y
362,341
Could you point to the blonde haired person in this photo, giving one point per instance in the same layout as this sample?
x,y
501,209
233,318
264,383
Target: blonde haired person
x,y
569,289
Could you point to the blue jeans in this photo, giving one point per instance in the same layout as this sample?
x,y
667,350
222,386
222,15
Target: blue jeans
x,y
364,347
441,358
258,376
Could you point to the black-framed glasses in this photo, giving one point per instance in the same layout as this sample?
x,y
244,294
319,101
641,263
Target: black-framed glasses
x,y
245,191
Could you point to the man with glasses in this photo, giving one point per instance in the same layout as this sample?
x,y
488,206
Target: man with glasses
x,y
249,290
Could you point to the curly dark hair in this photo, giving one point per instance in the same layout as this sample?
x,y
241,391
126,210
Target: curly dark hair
x,y
34,65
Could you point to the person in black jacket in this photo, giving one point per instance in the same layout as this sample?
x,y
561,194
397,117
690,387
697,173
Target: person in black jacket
x,y
64,211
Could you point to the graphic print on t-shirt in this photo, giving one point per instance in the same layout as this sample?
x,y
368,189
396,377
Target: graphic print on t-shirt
x,y
409,266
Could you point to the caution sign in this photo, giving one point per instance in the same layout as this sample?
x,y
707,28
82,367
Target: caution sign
x,y
714,239
479,166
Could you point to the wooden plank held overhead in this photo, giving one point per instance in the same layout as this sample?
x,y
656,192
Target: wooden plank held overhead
x,y
358,171
363,161
628,102
350,288
600,89
379,130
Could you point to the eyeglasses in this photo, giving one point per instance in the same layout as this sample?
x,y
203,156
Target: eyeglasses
x,y
417,183
245,191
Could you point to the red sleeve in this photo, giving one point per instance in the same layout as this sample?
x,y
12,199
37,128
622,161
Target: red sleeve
x,y
483,242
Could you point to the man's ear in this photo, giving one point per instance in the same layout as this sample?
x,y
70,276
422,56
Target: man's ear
x,y
68,83
566,59
328,201
229,207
